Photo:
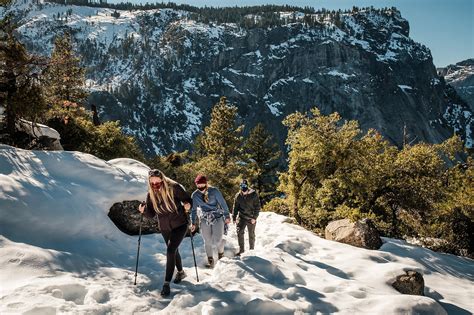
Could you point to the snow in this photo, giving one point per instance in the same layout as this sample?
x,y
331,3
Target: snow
x,y
213,32
275,108
460,120
194,119
92,23
59,253
238,72
435,81
364,44
131,167
344,76
352,23
388,56
469,142
289,15
128,55
405,87
458,73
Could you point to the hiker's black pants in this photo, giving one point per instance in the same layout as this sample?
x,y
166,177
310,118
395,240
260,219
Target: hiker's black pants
x,y
173,238
241,224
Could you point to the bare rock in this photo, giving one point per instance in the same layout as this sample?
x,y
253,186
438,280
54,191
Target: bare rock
x,y
361,233
126,217
411,282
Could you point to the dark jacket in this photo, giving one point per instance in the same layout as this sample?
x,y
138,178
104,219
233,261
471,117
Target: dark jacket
x,y
170,220
246,206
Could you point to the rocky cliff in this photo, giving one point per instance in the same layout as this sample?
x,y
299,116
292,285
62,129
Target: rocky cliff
x,y
461,77
160,71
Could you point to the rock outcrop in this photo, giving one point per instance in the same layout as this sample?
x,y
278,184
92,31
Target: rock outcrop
x,y
361,233
411,282
461,77
126,217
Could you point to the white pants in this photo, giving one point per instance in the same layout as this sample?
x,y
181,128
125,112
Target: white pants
x,y
213,235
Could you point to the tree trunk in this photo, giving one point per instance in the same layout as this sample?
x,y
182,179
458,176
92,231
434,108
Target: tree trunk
x,y
296,212
10,110
394,221
259,184
296,193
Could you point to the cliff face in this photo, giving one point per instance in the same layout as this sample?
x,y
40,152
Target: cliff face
x,y
160,72
460,95
461,77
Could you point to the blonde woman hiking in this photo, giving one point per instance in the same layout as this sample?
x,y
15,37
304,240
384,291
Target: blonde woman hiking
x,y
169,202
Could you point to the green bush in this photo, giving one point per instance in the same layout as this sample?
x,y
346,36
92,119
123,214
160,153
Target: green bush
x,y
108,142
336,171
105,141
277,205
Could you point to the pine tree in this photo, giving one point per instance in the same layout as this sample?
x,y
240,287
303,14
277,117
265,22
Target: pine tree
x,y
64,76
199,151
109,142
335,172
318,147
262,152
222,139
4,3
20,90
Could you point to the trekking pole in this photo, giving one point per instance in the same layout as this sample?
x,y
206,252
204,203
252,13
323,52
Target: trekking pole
x,y
138,251
194,256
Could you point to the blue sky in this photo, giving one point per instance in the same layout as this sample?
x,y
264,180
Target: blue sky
x,y
445,26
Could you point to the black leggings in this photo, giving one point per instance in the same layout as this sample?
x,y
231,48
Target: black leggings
x,y
173,238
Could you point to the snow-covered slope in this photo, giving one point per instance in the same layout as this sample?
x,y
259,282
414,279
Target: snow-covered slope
x,y
459,72
59,253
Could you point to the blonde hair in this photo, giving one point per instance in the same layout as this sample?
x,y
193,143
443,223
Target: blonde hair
x,y
164,196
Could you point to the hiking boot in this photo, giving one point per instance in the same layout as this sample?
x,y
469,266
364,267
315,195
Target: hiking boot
x,y
166,291
220,255
180,275
210,262
238,253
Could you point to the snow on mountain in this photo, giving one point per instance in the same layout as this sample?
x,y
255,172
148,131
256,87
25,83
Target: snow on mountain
x,y
459,72
160,71
459,112
457,115
461,77
59,253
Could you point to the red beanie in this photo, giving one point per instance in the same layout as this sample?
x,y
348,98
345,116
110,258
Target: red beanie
x,y
200,179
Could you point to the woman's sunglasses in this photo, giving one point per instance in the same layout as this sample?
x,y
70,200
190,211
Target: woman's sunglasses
x,y
155,173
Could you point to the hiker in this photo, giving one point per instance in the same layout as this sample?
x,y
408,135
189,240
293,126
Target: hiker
x,y
211,209
245,213
170,203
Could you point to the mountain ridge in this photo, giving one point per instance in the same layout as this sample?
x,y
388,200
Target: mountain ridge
x,y
461,77
160,72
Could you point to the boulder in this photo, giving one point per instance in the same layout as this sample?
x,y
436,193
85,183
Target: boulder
x,y
37,136
361,233
50,144
411,282
126,217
